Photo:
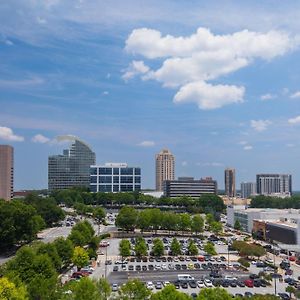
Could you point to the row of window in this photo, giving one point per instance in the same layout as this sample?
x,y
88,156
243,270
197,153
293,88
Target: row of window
x,y
115,171
116,188
115,179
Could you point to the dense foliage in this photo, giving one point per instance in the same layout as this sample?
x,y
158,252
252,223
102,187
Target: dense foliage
x,y
154,219
276,202
19,223
206,203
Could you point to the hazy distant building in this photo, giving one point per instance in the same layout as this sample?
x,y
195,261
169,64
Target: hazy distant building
x,y
274,184
230,182
248,189
165,168
72,168
6,172
188,186
115,177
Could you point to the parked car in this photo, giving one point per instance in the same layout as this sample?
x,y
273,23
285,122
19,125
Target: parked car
x,y
150,285
114,287
249,283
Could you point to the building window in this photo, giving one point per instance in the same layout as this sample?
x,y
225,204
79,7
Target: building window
x,y
116,171
116,188
105,171
93,171
93,188
104,188
127,171
105,179
137,171
137,179
116,179
93,179
126,179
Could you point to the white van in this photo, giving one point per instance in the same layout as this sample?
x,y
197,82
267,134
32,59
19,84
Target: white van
x,y
185,277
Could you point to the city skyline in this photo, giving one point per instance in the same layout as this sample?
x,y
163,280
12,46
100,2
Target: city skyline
x,y
83,69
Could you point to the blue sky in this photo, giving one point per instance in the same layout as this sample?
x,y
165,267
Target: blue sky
x,y
216,82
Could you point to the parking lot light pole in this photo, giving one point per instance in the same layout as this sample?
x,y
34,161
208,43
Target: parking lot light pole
x,y
275,273
105,267
228,253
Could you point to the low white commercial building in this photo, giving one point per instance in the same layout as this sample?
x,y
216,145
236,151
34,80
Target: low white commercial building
x,y
246,215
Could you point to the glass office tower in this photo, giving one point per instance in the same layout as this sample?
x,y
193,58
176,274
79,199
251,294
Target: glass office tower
x,y
72,168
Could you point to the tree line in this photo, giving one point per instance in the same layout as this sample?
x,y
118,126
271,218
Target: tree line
x,y
33,272
262,201
206,203
154,219
21,220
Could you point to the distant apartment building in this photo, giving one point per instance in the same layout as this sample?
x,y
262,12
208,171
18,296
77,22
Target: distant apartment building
x,y
165,168
6,172
72,168
229,177
248,189
274,184
188,186
115,177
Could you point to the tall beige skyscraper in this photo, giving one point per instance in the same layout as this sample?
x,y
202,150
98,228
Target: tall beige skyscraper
x,y
6,172
165,168
230,182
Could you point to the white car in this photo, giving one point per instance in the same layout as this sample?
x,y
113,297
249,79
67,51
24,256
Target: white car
x,y
165,283
150,285
176,259
208,283
230,278
114,287
163,266
200,284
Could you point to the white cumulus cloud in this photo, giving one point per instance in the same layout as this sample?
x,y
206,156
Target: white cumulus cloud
x,y
295,120
248,147
147,144
39,138
208,96
7,134
189,62
266,97
295,95
260,125
135,68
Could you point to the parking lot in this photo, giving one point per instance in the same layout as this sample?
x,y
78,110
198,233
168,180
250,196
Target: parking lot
x,y
159,271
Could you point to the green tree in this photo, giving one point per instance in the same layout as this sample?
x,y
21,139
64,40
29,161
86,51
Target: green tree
x,y
156,218
291,290
124,248
104,288
144,219
169,293
127,218
158,247
216,227
85,289
175,247
80,257
209,248
64,248
134,290
184,222
209,218
99,214
192,248
237,225
214,294
140,247
51,251
9,291
82,233
197,224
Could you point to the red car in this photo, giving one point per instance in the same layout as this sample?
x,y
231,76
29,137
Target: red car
x,y
249,283
201,258
292,258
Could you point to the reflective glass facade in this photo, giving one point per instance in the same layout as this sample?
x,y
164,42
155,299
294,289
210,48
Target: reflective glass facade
x,y
115,178
72,168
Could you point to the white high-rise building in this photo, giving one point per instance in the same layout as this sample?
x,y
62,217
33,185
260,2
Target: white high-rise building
x,y
274,184
248,189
